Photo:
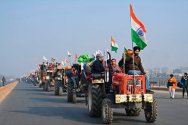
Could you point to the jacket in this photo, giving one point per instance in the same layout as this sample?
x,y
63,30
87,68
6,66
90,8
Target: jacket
x,y
97,67
184,80
173,81
129,64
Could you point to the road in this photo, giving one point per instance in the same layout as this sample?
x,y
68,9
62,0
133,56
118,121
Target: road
x,y
29,105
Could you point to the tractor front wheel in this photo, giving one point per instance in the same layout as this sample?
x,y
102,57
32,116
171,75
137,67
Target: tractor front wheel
x,y
107,113
151,111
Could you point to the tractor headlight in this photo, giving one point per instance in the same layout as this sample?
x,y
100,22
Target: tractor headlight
x,y
130,82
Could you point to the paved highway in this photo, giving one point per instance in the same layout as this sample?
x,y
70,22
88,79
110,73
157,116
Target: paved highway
x,y
29,105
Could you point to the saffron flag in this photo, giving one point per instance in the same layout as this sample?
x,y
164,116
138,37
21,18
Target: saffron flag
x,y
138,31
114,45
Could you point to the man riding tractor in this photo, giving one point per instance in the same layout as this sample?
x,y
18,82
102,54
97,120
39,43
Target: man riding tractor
x,y
109,90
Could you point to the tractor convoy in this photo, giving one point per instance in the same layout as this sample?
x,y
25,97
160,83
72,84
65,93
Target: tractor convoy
x,y
102,91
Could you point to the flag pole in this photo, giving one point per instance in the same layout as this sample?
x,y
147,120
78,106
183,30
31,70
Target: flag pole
x,y
111,46
75,59
133,56
69,55
69,60
124,60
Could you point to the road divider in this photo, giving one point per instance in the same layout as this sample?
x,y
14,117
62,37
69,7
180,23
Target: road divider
x,y
5,90
164,88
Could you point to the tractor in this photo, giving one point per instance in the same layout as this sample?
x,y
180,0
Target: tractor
x,y
59,84
75,85
48,82
107,90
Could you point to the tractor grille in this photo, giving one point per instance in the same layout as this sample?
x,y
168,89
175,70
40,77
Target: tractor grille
x,y
130,87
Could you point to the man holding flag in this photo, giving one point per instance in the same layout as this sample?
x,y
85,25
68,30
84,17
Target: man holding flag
x,y
132,63
138,31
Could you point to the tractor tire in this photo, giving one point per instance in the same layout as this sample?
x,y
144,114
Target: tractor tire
x,y
74,96
133,112
151,111
60,90
34,83
56,88
40,85
43,86
70,91
107,113
94,100
47,86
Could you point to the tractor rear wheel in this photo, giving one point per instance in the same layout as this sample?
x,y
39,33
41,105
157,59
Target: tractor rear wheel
x,y
60,90
56,88
94,100
74,96
70,91
47,86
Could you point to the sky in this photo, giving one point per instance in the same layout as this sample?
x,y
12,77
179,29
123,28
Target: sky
x,y
31,29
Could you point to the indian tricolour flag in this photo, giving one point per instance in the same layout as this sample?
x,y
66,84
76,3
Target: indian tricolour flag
x,y
137,30
114,45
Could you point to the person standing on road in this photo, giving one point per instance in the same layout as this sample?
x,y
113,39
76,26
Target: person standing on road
x,y
184,81
172,84
3,81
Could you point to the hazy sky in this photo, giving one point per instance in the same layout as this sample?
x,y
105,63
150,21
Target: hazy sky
x,y
30,29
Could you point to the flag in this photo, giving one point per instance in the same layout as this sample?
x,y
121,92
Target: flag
x,y
52,59
76,57
66,61
114,45
62,62
94,55
138,31
44,58
69,54
98,52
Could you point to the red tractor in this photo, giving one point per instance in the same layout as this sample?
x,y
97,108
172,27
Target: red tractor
x,y
47,80
107,91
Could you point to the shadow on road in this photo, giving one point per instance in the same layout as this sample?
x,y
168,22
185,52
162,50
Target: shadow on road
x,y
119,117
52,100
78,114
46,104
168,98
71,113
